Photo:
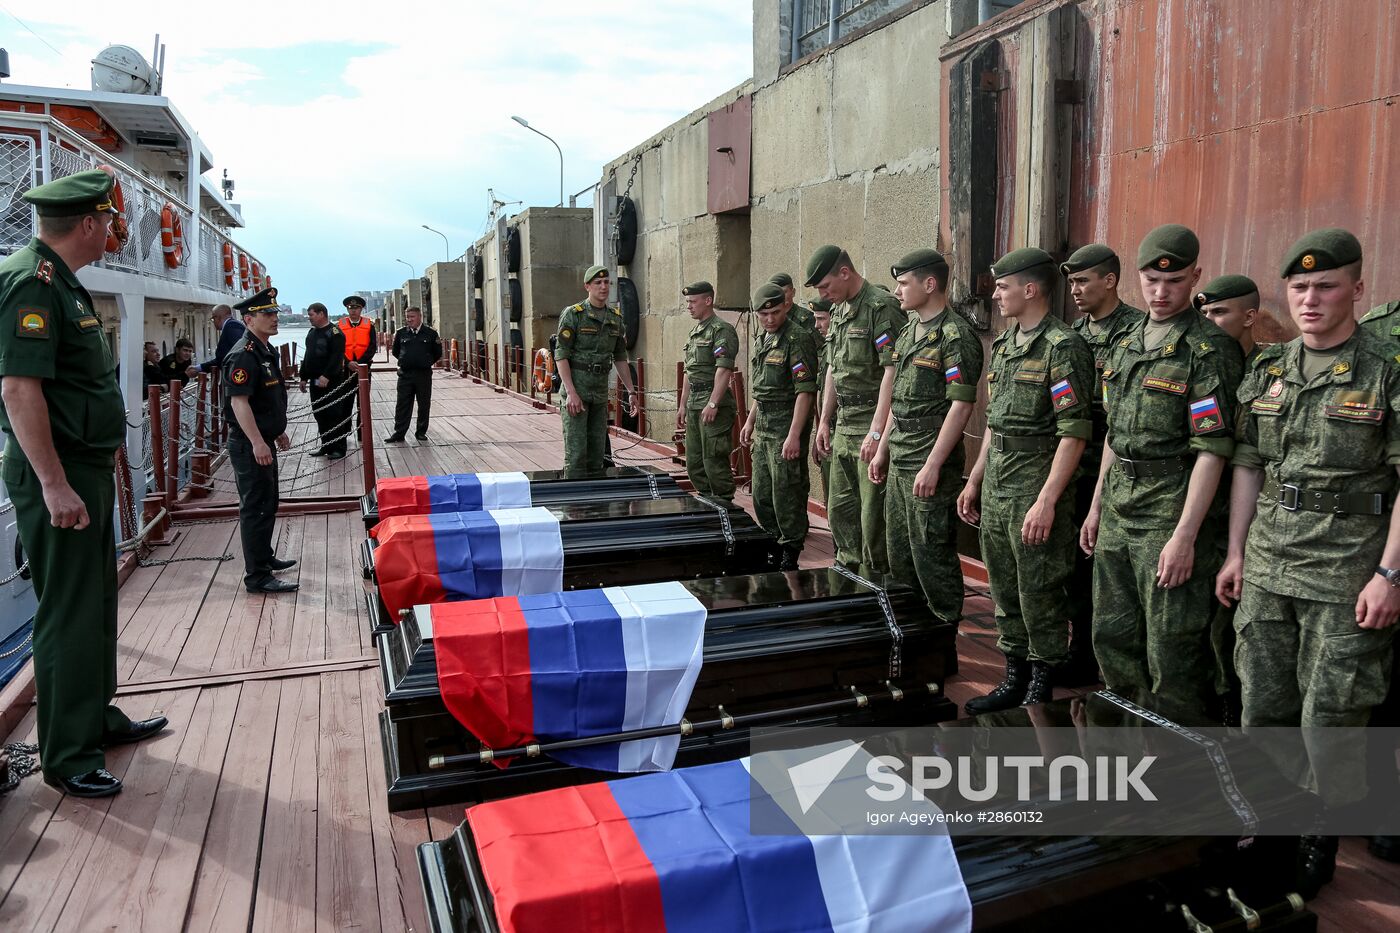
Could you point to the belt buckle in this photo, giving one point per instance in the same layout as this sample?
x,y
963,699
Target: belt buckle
x,y
1129,468
1288,496
998,441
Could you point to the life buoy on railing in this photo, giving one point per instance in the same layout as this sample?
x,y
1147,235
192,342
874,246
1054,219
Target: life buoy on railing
x,y
228,265
544,370
257,276
172,236
244,273
118,237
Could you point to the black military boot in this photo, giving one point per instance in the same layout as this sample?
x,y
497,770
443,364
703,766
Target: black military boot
x,y
1317,862
791,552
1042,684
1008,694
1082,668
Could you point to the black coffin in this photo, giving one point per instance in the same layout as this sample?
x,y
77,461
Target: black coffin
x,y
1022,883
774,643
551,487
641,541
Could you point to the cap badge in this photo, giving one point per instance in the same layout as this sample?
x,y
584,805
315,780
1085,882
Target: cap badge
x,y
1163,262
1308,261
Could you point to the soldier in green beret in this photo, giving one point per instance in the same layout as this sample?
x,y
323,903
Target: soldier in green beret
x,y
1038,387
797,311
1314,555
64,417
706,404
591,342
778,426
1232,304
1169,392
938,362
865,321
1093,273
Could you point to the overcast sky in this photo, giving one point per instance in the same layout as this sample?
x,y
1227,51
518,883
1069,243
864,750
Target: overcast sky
x,y
348,125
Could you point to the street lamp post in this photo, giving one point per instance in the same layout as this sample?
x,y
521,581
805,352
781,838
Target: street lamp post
x,y
523,122
447,247
412,272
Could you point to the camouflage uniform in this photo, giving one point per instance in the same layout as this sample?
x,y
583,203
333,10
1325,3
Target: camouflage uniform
x,y
713,344
591,339
1383,321
1163,406
802,315
1038,392
922,532
823,364
862,336
785,364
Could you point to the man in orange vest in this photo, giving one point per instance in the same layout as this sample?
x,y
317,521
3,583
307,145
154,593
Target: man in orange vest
x,y
360,347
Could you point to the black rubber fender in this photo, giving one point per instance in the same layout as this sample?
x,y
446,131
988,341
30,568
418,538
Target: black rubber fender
x,y
631,307
517,301
626,231
479,315
513,249
478,272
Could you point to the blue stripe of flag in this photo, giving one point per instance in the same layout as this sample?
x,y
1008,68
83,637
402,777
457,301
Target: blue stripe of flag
x,y
457,493
468,548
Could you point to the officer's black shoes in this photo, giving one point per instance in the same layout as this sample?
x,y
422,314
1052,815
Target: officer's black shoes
x,y
318,453
277,564
1008,694
137,731
1317,862
420,437
96,783
790,555
336,455
272,585
1042,684
1385,847
394,439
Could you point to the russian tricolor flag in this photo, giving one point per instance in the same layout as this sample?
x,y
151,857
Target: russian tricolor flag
x,y
675,852
467,555
517,670
457,492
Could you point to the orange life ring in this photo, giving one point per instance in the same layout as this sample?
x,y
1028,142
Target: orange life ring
x,y
257,276
228,264
118,237
172,236
244,273
544,370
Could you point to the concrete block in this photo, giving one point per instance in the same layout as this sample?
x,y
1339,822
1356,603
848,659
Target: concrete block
x,y
901,214
660,289
557,237
833,212
792,129
684,167
776,229
547,291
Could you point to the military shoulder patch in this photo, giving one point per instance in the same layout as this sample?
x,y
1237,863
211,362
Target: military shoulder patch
x,y
44,271
1062,394
238,376
32,322
1205,415
566,334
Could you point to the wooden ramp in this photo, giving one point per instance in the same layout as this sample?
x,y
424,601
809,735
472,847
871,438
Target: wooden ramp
x,y
263,806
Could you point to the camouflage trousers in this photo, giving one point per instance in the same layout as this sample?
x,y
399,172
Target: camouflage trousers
x,y
1153,644
1028,583
855,507
585,436
780,486
707,450
922,537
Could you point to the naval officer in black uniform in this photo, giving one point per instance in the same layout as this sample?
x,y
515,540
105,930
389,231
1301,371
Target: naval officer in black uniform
x,y
417,347
323,372
255,408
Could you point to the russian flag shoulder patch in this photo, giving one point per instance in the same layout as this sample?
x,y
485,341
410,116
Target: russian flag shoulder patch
x,y
1062,395
1205,415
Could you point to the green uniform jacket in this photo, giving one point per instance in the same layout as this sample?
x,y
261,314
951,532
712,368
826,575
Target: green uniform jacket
x,y
1101,341
713,344
1037,390
802,315
1339,433
930,375
785,363
1170,402
49,330
862,336
591,339
1384,321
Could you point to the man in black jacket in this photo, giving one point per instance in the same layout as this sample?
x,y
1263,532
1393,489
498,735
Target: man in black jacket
x,y
323,373
230,335
179,364
417,347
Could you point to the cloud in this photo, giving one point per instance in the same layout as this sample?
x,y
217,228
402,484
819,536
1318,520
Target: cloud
x,y
348,125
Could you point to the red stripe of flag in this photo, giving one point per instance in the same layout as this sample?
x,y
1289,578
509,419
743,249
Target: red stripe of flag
x,y
483,662
406,564
402,495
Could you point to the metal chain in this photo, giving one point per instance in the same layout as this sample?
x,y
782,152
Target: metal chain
x,y
161,562
17,574
22,764
28,640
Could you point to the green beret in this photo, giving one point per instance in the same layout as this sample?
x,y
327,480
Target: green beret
x,y
86,192
593,272
1019,260
821,263
698,288
782,280
265,301
820,306
1320,250
1169,248
1087,257
1223,288
919,259
767,296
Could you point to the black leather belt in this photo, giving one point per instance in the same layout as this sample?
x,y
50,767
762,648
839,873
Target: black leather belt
x,y
1293,498
911,425
777,405
857,398
701,387
598,368
1032,442
1143,469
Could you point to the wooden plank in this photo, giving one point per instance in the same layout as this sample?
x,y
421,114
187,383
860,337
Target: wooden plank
x,y
222,898
307,638
347,633
249,675
24,815
400,897
286,886
346,893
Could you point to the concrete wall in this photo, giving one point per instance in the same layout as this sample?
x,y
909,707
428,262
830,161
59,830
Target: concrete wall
x,y
447,286
556,249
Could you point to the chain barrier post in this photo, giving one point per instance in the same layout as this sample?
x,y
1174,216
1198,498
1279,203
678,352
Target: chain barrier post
x,y
641,385
366,428
214,413
678,438
157,439
199,458
172,443
742,463
126,507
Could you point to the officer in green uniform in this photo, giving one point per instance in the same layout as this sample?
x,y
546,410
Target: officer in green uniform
x,y
821,321
64,417
591,342
1038,387
706,408
1232,304
1314,555
1169,391
938,361
255,409
779,424
1092,273
797,312
864,324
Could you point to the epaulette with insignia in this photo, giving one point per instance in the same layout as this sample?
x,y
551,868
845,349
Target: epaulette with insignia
x,y
44,271
616,311
1381,311
951,329
1205,346
1056,336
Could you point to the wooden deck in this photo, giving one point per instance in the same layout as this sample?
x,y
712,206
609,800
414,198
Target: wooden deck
x,y
263,806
